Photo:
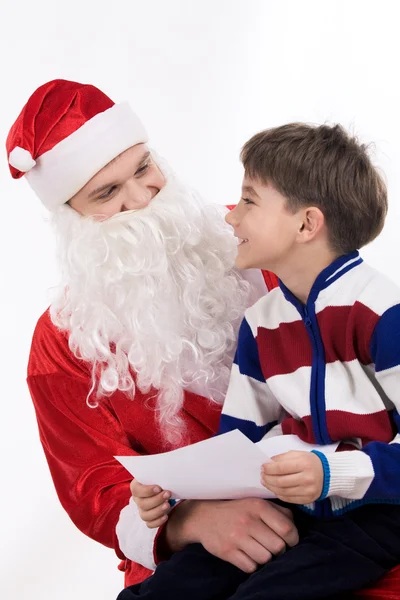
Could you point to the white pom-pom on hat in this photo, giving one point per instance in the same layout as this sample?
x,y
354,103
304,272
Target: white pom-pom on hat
x,y
21,159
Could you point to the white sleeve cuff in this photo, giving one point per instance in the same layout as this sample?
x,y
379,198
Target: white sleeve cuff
x,y
135,539
350,474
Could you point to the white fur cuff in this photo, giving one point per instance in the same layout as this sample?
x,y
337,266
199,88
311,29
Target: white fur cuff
x,y
135,539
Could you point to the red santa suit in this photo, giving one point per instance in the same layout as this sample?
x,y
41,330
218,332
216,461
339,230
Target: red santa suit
x,y
80,442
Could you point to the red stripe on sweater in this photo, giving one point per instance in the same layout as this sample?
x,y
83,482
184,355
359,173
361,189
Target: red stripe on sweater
x,y
376,427
346,332
285,349
303,428
341,425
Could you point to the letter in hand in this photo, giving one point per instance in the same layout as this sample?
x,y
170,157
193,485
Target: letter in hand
x,y
152,503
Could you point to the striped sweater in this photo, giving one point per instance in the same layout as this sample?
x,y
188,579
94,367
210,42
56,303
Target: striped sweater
x,y
326,371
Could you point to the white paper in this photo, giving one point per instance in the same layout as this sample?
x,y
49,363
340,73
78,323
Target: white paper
x,y
227,466
279,444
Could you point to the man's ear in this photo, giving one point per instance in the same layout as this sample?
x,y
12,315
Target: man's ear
x,y
312,222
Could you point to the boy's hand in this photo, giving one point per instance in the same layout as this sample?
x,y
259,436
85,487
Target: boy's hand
x,y
152,503
296,477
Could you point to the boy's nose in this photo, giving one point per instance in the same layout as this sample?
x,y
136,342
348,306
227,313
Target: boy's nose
x,y
232,217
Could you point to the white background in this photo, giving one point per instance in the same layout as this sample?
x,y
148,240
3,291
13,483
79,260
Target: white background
x,y
203,75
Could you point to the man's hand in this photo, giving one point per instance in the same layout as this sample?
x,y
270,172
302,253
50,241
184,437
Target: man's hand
x,y
152,503
296,477
246,533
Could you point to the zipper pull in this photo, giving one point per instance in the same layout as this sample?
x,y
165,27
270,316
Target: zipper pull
x,y
307,320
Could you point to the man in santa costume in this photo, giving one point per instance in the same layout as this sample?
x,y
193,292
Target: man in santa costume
x,y
133,355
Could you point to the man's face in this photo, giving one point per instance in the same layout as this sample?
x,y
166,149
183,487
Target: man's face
x,y
129,182
265,227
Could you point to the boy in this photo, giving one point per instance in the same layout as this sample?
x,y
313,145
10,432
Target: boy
x,y
318,357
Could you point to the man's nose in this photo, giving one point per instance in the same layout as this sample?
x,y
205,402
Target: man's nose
x,y
137,196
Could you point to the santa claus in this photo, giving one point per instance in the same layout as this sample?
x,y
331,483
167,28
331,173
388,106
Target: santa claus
x,y
133,355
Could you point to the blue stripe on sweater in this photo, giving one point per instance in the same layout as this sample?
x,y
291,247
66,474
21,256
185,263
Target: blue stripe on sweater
x,y
247,354
328,273
386,463
254,432
385,341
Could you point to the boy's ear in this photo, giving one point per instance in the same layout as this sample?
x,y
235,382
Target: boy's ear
x,y
312,222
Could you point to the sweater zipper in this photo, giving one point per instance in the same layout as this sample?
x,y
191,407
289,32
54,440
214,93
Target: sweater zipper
x,y
321,508
314,378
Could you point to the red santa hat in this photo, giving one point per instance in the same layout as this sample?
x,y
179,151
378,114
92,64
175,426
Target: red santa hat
x,y
65,134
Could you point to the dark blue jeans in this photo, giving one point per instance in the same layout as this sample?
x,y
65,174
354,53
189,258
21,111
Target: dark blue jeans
x,y
333,558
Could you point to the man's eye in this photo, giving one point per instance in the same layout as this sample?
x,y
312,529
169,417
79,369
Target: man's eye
x,y
142,169
108,193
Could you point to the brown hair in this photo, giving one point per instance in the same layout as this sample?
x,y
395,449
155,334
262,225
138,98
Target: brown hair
x,y
322,166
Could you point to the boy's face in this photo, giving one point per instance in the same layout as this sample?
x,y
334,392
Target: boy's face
x,y
266,229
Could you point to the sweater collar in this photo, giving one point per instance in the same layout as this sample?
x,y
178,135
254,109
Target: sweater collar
x,y
329,275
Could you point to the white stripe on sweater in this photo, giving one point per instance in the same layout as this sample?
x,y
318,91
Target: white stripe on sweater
x,y
293,391
389,380
270,312
348,289
348,388
250,399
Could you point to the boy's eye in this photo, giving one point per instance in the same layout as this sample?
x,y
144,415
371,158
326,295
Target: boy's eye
x,y
247,201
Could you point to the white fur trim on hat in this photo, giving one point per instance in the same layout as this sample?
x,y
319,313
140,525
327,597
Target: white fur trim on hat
x,y
21,159
62,171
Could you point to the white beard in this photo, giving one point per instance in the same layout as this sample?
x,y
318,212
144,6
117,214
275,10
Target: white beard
x,y
150,299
